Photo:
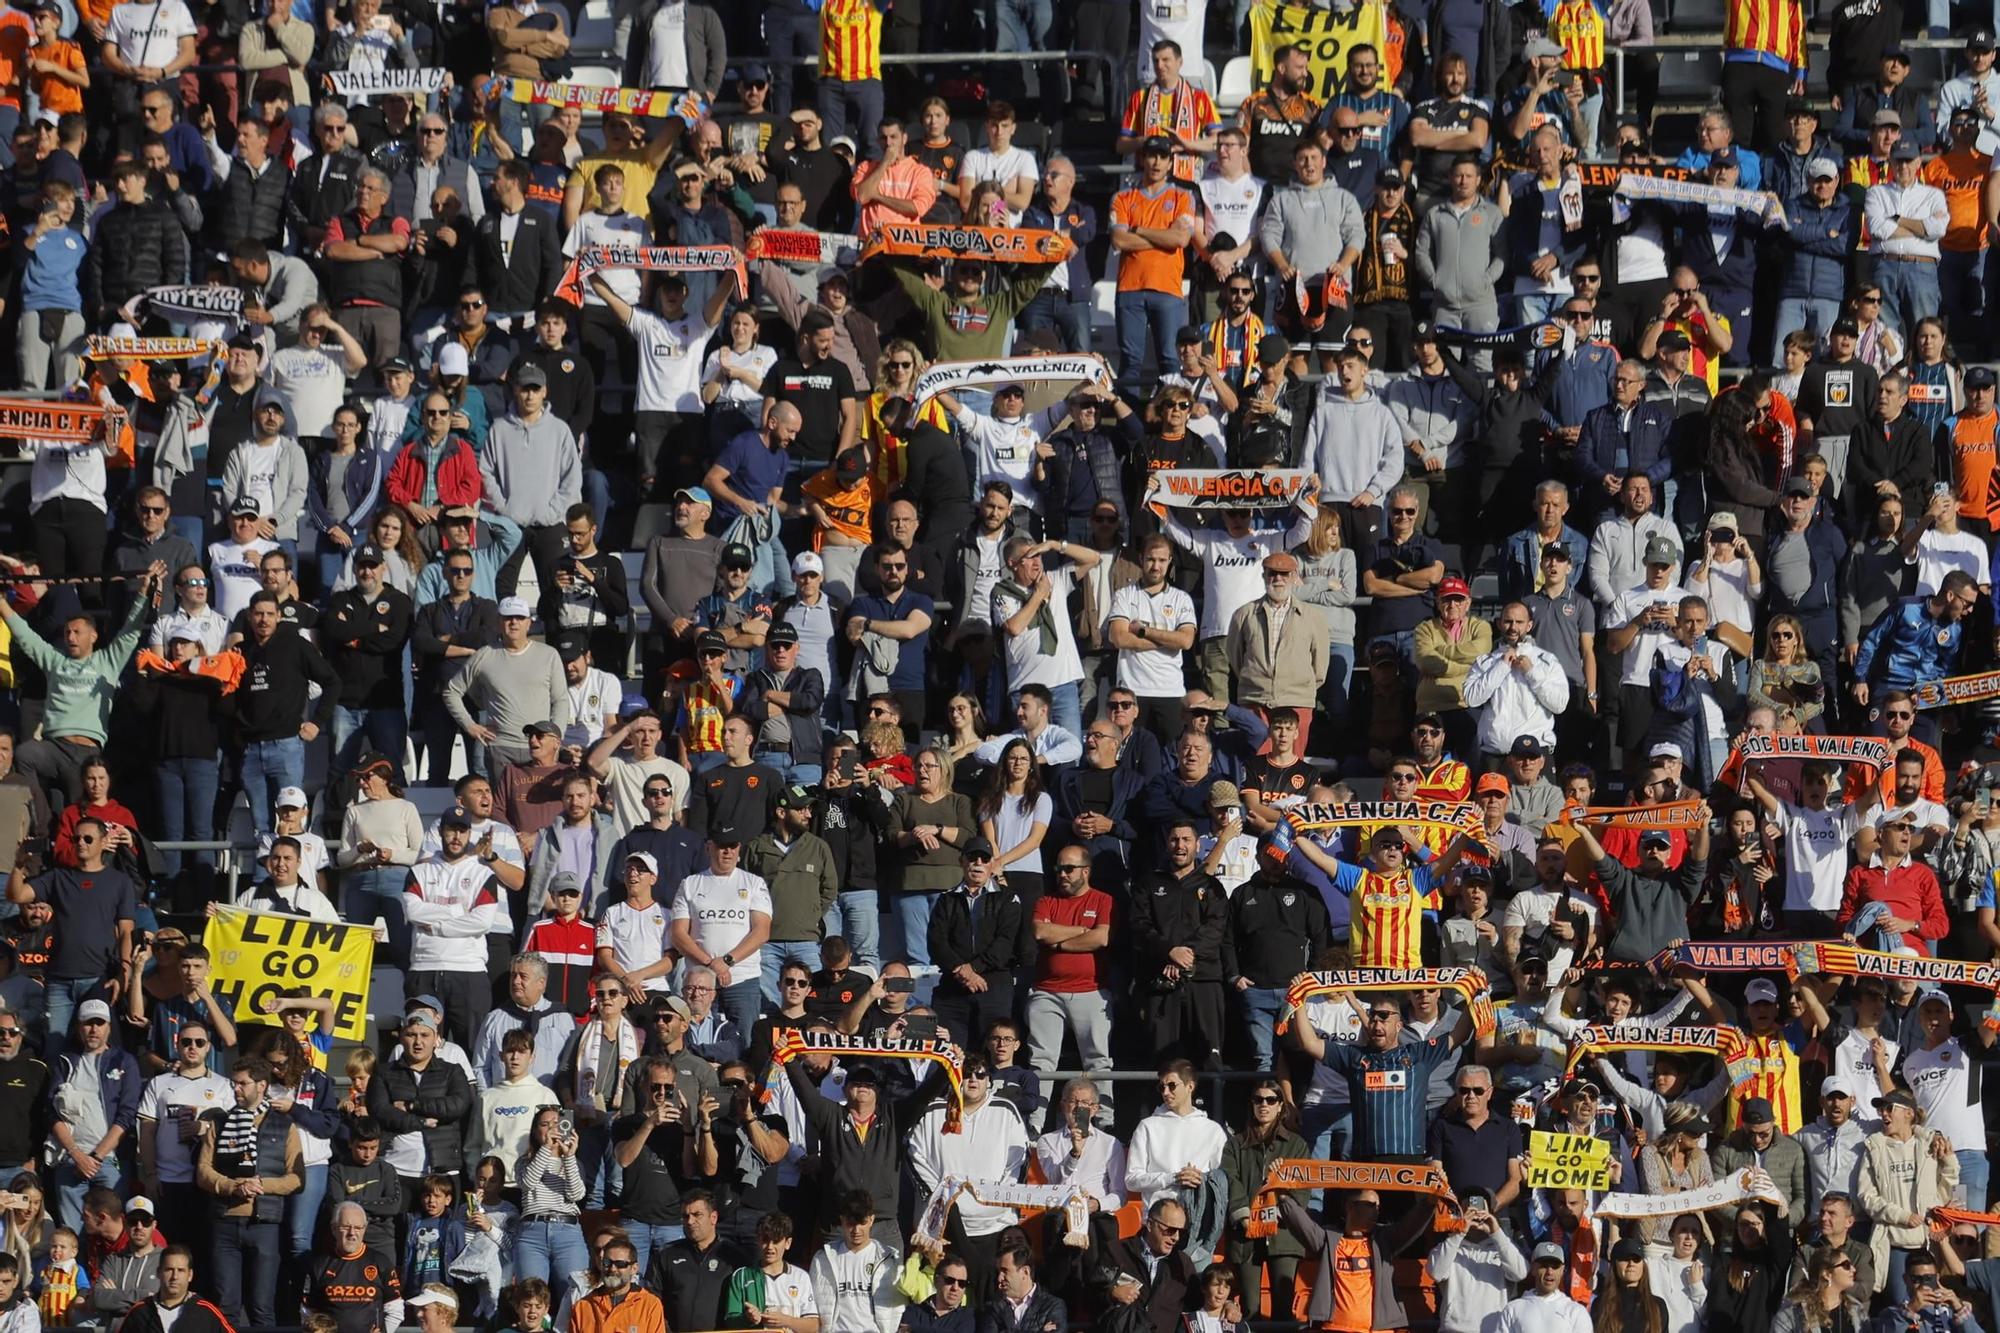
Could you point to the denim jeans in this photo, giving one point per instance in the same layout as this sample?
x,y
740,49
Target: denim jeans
x,y
1334,694
909,930
244,1255
185,789
602,1176
741,999
1258,1012
1972,1178
775,954
1909,291
301,1221
71,1187
1405,643
648,1237
1813,313
862,96
550,1251
1146,319
368,893
857,918
784,35
268,768
1023,25
1531,307
1062,312
1065,707
64,995
384,730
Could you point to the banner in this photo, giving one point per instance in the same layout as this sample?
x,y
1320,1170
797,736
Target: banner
x,y
1725,1043
99,347
950,240
1070,1200
1739,1187
1305,1173
652,259
789,1044
1973,689
254,955
58,423
1568,1161
951,376
1544,336
207,301
1310,817
1868,750
1833,958
1632,186
1674,815
803,247
689,106
349,84
1326,35
1228,488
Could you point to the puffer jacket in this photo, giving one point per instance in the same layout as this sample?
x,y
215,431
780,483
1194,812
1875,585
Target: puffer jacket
x,y
439,1093
250,208
136,246
1446,662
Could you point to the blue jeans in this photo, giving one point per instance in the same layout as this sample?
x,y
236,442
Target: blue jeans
x,y
385,730
1909,291
1260,1006
1532,307
597,493
268,768
1972,1178
910,930
1060,311
1146,318
332,563
862,96
1065,707
71,1187
378,891
785,35
650,1236
1023,25
775,954
185,789
1815,314
857,918
550,1251
602,1176
1333,695
701,763
740,1000
1405,643
64,995
244,1255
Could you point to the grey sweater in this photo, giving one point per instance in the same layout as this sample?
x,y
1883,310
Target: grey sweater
x,y
1354,444
1311,227
512,690
1329,583
532,473
1460,254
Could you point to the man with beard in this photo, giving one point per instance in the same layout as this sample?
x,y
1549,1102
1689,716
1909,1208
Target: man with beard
x,y
617,1302
901,617
1891,455
1444,127
1519,688
445,900
1179,926
1280,116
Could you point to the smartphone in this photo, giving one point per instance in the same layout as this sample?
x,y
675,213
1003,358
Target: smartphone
x,y
381,22
1984,804
566,1123
1231,813
900,985
850,767
920,1027
1079,1117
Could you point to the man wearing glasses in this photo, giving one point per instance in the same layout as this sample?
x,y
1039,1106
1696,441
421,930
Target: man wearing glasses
x,y
364,250
95,1093
1915,640
893,628
168,1108
617,1303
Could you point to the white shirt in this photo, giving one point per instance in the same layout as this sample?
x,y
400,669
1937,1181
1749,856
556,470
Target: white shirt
x,y
717,909
452,907
1180,21
734,391
1150,674
1003,169
202,624
66,472
1816,855
1938,553
1917,202
1001,451
1938,1080
666,48
162,1094
989,570
1554,1313
669,360
232,574
637,937
149,34
1638,659
1853,1063
1027,664
623,230
1232,568
1926,814
599,694
1230,206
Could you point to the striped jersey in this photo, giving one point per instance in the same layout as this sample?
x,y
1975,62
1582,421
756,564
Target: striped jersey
x,y
1387,914
1578,27
850,40
1775,1078
1446,780
1772,32
1387,1089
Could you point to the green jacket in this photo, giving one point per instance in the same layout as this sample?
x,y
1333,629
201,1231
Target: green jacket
x,y
802,882
80,693
1246,1165
961,340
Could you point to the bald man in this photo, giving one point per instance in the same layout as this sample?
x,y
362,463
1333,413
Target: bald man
x,y
747,480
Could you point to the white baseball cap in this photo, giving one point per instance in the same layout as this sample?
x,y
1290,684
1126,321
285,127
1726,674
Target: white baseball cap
x,y
435,1293
291,798
807,562
516,606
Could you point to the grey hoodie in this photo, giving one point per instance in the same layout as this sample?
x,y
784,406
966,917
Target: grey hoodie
x,y
1354,444
1460,255
532,473
1312,226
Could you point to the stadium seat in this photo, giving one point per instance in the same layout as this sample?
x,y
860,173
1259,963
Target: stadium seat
x,y
1238,82
594,29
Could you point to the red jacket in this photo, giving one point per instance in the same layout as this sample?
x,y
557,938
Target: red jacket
x,y
458,475
1909,891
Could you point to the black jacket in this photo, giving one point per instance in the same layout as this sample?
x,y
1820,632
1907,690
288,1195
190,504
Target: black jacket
x,y
1278,928
993,948
313,200
136,246
846,1160
808,693
187,711
851,821
572,383
271,701
935,481
519,278
250,208
428,626
196,1316
1128,786
364,638
1166,913
1901,451
440,1093
693,1284
24,1085
1044,1313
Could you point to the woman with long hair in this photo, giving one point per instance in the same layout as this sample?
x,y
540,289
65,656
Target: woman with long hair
x,y
929,824
1735,473
548,1242
1673,1162
1786,678
1826,1301
95,803
1749,1282
394,533
1327,579
1627,1303
24,1213
1937,381
965,726
343,482
381,836
1270,1132
306,1098
732,378
1678,1275
1014,814
896,372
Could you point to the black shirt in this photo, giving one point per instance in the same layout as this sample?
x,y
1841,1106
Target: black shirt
x,y
1387,559
352,1290
1269,781
1447,115
751,1181
817,393
653,1181
735,801
1475,1159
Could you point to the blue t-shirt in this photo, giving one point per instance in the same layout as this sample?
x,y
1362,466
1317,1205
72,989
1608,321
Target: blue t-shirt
x,y
49,280
175,1012
909,672
755,470
1387,1088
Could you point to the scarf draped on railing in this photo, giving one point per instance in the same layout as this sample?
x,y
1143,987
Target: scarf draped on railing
x,y
1070,1200
1306,1173
789,1044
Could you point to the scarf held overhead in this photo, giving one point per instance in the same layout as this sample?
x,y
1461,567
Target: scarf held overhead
x,y
1311,817
58,423
189,303
1468,982
348,84
651,259
1833,958
1727,1043
951,376
790,1044
1306,1173
803,247
1674,815
1737,1188
950,240
1528,337
1631,186
1868,750
1230,488
690,107
1976,688
99,347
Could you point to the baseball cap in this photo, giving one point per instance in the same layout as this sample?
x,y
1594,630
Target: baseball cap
x,y
248,507
1281,562
1542,47
1894,53
698,494
675,1004
94,1009
291,798
1724,157
569,647
1653,837
1980,40
1158,143
419,1018
515,608
710,642
531,376
1761,991
1391,178
977,848
646,859
139,1203
737,556
1833,1087
435,1293
456,816
1757,1111
424,1001
1888,115
369,554
1722,519
1904,152
1493,782
1845,328
1631,1247
753,72
1665,750
1548,1252
1526,747
1979,377
563,882
1895,1097
807,562
795,797
1272,348
1661,551
545,727
1559,551
1821,169
782,632
1453,586
1930,993
398,365
1423,332
452,360
1674,340
1797,486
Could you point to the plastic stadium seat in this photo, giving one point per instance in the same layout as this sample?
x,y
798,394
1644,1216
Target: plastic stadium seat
x,y
594,30
1238,82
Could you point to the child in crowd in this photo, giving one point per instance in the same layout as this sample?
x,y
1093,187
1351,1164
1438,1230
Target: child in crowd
x,y
775,1286
60,1280
360,1175
17,1311
435,1237
507,1109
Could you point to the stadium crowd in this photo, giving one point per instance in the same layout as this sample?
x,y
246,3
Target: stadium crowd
x,y
761,685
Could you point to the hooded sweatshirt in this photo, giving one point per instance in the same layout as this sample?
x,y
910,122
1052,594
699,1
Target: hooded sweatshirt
x,y
1354,444
1312,225
1163,1144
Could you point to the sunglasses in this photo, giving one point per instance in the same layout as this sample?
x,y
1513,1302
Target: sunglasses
x,y
1265,1100
951,1281
192,1041
1406,513
152,509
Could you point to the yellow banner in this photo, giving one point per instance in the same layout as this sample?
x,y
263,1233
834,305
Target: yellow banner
x,y
1327,36
1568,1161
254,955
